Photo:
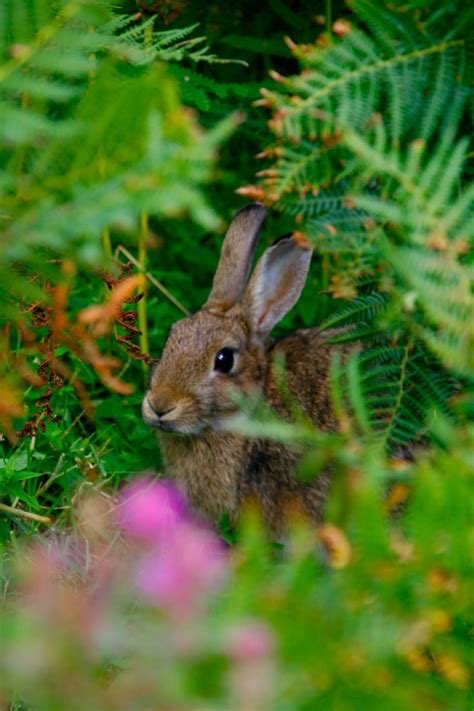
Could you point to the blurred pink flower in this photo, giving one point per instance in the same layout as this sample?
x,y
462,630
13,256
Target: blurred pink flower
x,y
150,509
180,573
252,678
252,640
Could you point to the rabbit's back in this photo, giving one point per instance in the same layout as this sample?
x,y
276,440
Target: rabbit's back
x,y
269,476
307,359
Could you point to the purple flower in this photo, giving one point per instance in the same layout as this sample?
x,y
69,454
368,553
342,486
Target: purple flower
x,y
180,573
150,509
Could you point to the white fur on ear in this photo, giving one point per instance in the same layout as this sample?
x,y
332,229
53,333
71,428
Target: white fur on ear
x,y
236,258
276,284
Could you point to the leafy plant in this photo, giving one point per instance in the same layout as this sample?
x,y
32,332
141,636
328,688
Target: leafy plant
x,y
76,183
372,613
370,157
108,236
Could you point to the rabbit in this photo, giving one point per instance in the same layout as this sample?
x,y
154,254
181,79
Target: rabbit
x,y
227,345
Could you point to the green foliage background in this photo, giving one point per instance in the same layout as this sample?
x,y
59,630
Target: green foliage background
x,y
137,131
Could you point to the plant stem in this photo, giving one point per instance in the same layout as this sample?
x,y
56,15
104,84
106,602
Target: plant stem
x,y
123,250
25,514
401,389
142,322
106,243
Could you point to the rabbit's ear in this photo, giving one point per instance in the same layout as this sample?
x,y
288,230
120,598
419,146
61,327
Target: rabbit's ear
x,y
236,258
276,283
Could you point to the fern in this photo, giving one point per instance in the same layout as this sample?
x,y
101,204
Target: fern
x,y
443,290
435,220
363,309
354,75
371,160
208,95
48,65
68,173
391,388
169,45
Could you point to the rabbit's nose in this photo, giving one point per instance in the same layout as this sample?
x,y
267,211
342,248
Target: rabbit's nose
x,y
154,413
163,413
159,408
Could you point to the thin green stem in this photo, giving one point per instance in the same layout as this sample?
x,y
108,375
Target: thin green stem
x,y
123,250
401,390
107,244
20,513
142,322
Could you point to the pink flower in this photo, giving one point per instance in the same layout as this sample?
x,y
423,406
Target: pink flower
x,y
252,678
180,573
150,509
251,641
186,560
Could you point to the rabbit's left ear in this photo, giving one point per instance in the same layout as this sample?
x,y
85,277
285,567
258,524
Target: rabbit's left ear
x,y
276,283
236,258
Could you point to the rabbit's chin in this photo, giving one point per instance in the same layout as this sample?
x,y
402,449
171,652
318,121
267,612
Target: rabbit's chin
x,y
223,423
180,428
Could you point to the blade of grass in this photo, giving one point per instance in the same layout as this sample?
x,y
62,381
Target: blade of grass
x,y
142,321
121,249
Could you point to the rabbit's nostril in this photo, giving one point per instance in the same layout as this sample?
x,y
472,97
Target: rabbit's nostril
x,y
162,414
160,411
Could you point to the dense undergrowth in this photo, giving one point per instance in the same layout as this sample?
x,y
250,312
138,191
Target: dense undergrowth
x,y
127,141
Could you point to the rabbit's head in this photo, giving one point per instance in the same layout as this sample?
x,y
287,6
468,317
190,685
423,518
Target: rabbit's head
x,y
223,347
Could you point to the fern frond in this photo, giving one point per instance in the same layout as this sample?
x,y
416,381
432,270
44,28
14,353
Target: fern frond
x,y
206,94
393,388
364,309
169,45
370,159
425,201
68,172
46,66
350,69
443,289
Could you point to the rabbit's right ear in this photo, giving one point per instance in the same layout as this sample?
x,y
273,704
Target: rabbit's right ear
x,y
236,258
276,283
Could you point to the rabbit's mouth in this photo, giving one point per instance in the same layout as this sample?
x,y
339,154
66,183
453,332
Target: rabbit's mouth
x,y
180,428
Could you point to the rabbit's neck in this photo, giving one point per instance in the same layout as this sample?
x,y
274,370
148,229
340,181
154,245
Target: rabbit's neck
x,y
207,468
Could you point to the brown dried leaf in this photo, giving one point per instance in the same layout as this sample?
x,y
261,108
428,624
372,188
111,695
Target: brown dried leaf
x,y
337,545
100,317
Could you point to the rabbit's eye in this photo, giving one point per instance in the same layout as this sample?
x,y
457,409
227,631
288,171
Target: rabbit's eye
x,y
224,360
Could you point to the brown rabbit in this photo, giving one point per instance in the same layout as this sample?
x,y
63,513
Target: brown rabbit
x,y
227,345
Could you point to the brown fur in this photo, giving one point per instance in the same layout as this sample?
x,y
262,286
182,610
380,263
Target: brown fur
x,y
220,470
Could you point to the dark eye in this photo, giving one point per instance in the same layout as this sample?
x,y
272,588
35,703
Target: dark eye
x,y
224,360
